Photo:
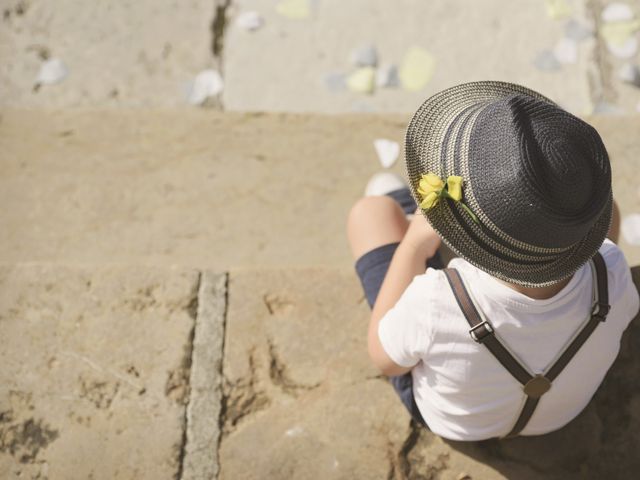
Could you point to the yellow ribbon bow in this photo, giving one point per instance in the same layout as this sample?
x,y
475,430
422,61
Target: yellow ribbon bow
x,y
432,188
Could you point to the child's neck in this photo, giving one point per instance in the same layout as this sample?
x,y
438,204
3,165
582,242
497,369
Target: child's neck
x,y
539,293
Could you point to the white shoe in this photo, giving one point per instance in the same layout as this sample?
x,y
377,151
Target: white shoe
x,y
383,183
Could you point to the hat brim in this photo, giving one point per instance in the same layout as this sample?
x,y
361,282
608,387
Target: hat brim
x,y
483,245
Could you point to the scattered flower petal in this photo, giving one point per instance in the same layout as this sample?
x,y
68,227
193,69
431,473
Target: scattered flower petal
x,y
630,73
295,9
606,108
250,20
387,76
557,9
417,69
566,51
362,80
207,83
335,82
366,56
546,61
387,151
295,431
620,38
631,229
617,12
626,50
577,31
51,72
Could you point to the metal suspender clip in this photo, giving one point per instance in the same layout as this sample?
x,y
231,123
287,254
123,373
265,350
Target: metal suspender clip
x,y
600,310
478,333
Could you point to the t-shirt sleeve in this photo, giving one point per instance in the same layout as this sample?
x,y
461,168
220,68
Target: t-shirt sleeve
x,y
623,295
404,330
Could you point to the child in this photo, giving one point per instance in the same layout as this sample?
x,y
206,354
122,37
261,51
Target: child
x,y
515,338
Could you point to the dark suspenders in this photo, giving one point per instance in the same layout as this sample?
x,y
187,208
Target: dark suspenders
x,y
534,386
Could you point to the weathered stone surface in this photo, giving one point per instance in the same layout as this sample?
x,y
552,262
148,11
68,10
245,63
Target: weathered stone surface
x,y
95,371
203,412
624,152
609,90
283,66
301,401
125,53
198,188
188,188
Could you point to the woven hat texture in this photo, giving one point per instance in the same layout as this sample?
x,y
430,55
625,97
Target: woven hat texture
x,y
537,178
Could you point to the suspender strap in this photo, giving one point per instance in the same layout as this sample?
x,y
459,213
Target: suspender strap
x,y
481,331
599,313
534,386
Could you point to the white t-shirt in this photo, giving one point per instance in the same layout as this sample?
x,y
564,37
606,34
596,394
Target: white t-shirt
x,y
460,388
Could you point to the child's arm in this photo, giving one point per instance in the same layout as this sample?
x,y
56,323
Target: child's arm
x,y
419,243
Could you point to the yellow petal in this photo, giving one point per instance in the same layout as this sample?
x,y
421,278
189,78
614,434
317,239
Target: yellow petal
x,y
617,33
557,9
296,9
363,80
429,201
454,187
417,69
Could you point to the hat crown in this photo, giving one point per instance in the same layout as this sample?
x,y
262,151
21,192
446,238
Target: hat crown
x,y
540,174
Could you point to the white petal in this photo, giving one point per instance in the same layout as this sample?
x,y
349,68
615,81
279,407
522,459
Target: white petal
x,y
387,76
207,83
546,61
52,71
387,151
577,31
295,431
250,20
631,229
566,51
630,73
617,12
366,56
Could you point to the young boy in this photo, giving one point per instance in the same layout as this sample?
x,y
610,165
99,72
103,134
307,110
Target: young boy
x,y
516,336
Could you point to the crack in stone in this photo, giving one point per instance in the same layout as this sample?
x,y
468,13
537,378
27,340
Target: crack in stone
x,y
241,398
280,378
392,458
411,464
218,28
599,76
407,446
184,375
223,397
276,304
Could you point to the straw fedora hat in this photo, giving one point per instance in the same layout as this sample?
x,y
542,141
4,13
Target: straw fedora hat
x,y
535,178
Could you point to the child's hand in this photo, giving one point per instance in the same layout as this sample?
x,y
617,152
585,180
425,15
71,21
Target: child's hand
x,y
421,236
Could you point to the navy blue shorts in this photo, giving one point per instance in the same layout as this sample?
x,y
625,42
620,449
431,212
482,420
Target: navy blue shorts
x,y
371,269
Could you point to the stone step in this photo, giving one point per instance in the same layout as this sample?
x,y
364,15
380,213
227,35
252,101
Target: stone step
x,y
203,189
121,372
148,54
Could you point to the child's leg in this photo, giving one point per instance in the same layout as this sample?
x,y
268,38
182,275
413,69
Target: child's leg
x,y
376,227
374,222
